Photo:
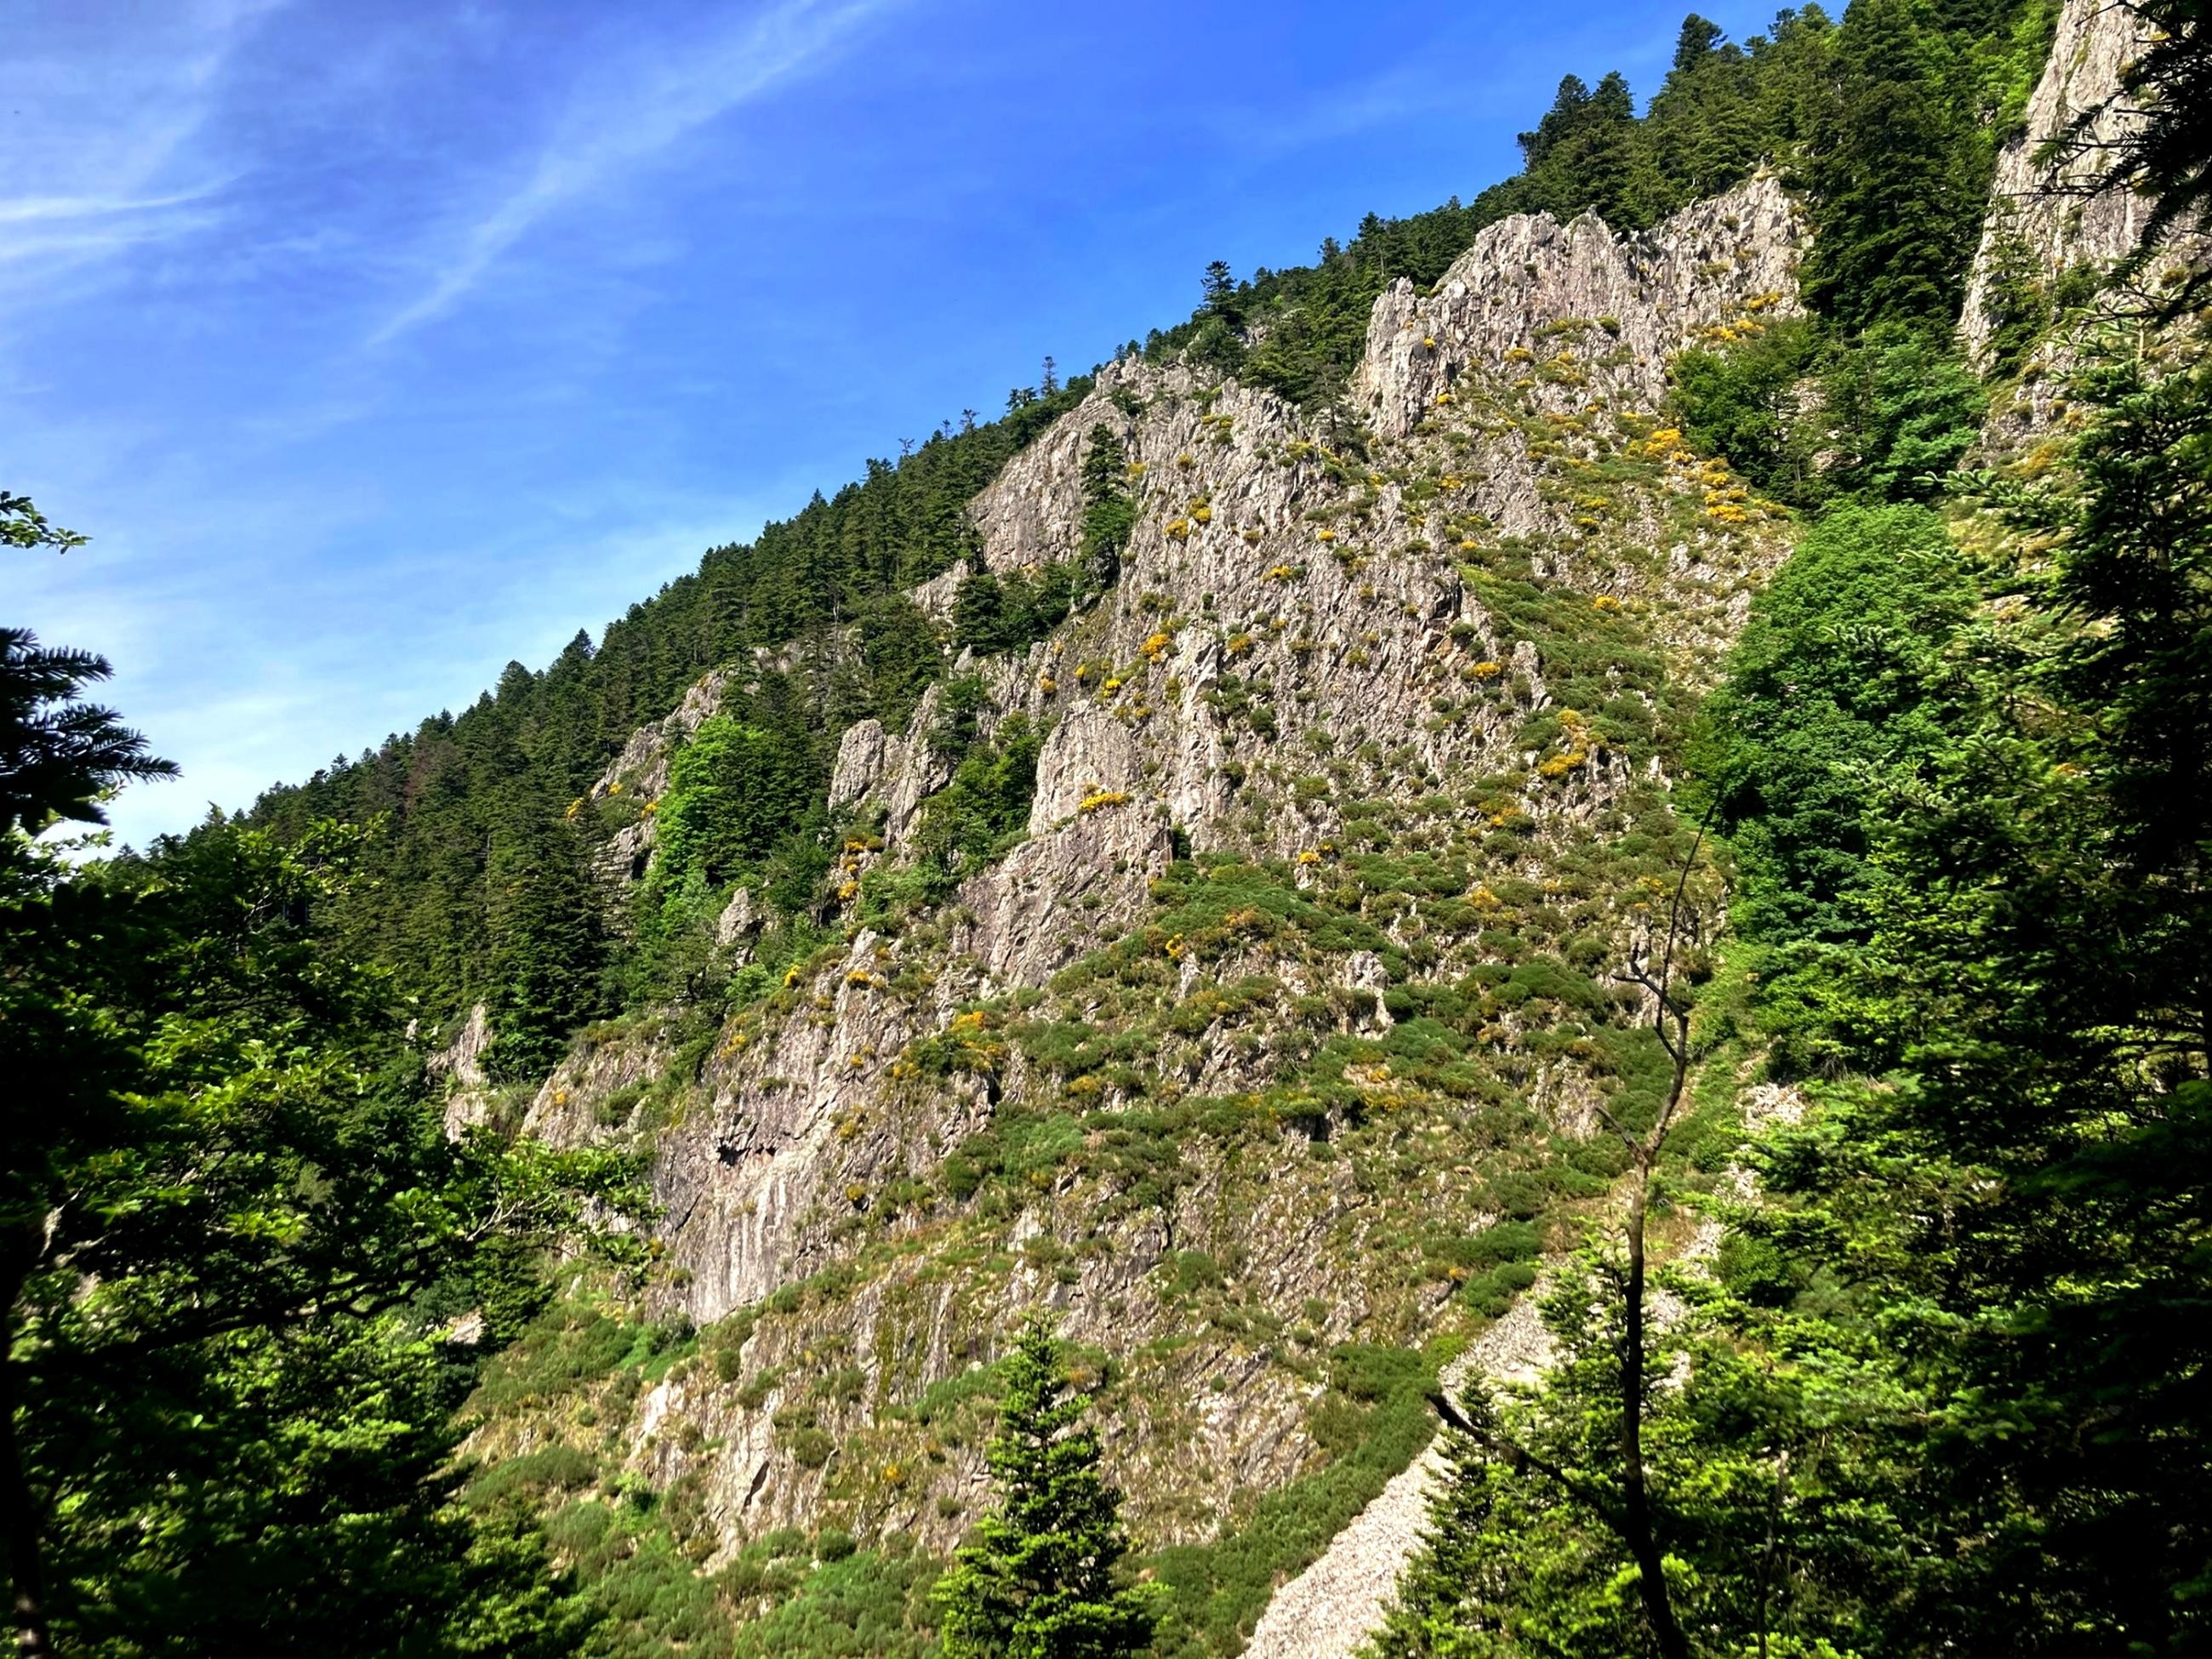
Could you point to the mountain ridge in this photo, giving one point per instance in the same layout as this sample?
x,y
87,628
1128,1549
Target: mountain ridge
x,y
1405,676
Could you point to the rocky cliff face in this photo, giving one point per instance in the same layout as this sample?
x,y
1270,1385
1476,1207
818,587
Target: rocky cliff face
x,y
2050,230
2048,214
1529,280
1374,715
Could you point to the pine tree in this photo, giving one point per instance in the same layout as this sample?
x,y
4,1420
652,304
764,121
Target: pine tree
x,y
979,620
1109,515
1218,292
1039,1580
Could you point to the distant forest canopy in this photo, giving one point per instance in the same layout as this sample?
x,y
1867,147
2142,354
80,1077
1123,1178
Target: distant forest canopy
x,y
479,886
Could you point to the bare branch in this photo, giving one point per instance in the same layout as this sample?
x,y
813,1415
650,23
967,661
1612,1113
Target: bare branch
x,y
1503,1446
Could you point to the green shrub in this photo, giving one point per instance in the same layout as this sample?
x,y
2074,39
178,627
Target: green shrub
x,y
550,1470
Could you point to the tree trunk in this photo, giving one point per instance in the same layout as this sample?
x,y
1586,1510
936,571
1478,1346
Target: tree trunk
x,y
1636,1507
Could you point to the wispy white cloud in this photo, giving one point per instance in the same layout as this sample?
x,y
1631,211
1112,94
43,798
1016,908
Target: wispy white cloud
x,y
38,210
629,114
98,142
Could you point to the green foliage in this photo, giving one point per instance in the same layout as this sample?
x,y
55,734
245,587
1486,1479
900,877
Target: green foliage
x,y
569,1344
1836,701
734,791
902,653
1810,417
1110,513
1373,1422
460,789
229,1220
1902,410
1011,612
859,1605
1521,1556
1899,169
966,824
57,753
1741,402
2042,951
2013,1205
227,1209
992,613
21,525
2018,303
1041,1578
779,1593
549,951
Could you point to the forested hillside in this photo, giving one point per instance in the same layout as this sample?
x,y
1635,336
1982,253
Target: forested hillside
x,y
478,877
1526,908
1891,125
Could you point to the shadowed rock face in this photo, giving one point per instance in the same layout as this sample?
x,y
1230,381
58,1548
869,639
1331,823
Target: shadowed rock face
x,y
2047,220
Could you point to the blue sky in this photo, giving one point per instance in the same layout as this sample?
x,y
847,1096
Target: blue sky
x,y
377,343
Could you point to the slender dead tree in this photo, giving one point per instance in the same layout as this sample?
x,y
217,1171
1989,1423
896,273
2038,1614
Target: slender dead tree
x,y
1628,1512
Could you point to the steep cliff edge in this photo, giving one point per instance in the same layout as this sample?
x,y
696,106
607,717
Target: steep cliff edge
x,y
2052,234
2047,217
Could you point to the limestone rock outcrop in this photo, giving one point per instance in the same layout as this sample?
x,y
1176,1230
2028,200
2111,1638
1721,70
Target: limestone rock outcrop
x,y
460,1066
2049,213
1304,633
1532,286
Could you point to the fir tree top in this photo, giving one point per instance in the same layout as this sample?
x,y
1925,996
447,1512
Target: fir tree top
x,y
1038,1579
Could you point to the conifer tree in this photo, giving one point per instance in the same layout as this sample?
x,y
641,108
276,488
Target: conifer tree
x,y
1039,1579
1900,175
979,613
58,755
548,940
1218,288
1109,515
1569,105
1699,38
